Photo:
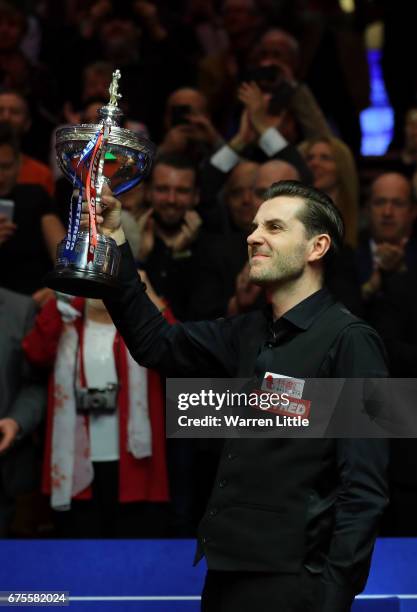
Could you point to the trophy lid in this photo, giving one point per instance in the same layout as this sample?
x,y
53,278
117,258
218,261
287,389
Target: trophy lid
x,y
110,115
126,155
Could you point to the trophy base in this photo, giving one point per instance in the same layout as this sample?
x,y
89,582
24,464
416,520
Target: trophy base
x,y
95,279
81,282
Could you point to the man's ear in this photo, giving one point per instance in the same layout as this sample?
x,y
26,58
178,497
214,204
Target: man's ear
x,y
319,247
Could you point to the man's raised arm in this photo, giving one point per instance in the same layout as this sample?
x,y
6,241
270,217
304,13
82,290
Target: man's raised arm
x,y
191,349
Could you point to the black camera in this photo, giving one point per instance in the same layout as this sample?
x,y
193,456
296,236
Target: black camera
x,y
97,401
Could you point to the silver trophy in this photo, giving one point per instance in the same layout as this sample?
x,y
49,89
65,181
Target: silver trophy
x,y
91,156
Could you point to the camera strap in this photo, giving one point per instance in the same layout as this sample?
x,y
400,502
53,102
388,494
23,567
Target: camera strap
x,y
80,379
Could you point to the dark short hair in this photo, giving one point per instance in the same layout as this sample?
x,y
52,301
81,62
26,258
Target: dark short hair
x,y
9,137
319,214
175,160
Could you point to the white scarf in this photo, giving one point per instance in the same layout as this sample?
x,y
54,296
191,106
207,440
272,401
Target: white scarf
x,y
71,466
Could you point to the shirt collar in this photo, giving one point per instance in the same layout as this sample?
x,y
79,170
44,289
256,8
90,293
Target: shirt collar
x,y
303,314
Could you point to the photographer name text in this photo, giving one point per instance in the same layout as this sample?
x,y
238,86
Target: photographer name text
x,y
238,421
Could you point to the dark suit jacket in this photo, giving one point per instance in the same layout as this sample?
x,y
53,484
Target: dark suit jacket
x,y
364,262
22,393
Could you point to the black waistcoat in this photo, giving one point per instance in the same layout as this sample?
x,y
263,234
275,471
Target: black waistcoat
x,y
259,514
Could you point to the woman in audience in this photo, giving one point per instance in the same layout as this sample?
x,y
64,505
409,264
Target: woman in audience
x,y
104,465
334,172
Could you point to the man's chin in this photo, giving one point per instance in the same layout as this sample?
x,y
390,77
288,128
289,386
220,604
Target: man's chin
x,y
169,224
258,279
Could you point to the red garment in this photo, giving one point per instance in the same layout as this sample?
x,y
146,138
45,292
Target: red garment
x,y
35,172
139,479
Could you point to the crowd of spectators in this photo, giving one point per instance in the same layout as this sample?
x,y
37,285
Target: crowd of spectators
x,y
236,94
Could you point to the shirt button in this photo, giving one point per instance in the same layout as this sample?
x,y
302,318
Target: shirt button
x,y
222,483
205,540
213,512
269,345
231,456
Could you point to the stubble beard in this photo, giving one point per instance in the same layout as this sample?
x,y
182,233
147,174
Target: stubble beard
x,y
281,268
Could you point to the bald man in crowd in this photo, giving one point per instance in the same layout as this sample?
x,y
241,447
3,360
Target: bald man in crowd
x,y
387,262
388,248
237,210
268,173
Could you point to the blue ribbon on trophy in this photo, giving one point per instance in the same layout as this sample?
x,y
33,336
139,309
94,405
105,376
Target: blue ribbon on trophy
x,y
76,202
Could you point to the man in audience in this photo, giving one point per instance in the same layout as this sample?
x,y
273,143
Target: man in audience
x,y
303,117
243,295
171,249
219,72
29,228
238,196
258,138
243,194
14,110
388,250
230,210
169,231
189,129
22,405
232,218
387,262
387,265
271,172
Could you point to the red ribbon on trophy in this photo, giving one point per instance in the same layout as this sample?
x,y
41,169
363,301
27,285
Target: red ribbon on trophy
x,y
96,164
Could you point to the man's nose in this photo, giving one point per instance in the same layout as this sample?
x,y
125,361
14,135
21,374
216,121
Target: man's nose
x,y
172,196
388,209
255,237
247,197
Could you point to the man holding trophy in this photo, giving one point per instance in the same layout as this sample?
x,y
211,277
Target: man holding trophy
x,y
291,523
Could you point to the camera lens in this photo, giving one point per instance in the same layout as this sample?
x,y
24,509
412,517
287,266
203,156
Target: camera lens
x,y
95,402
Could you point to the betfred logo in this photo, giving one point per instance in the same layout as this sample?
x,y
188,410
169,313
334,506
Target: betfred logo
x,y
296,407
280,383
